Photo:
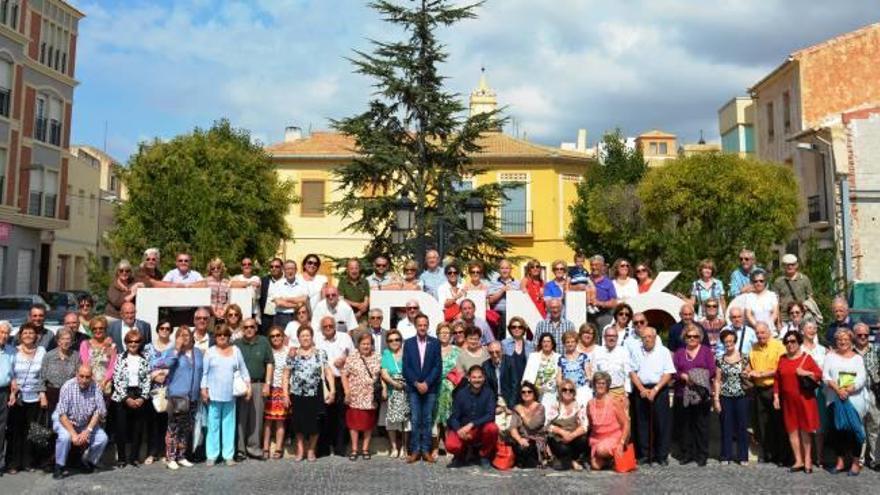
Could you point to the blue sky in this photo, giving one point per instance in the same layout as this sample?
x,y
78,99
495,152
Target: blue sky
x,y
151,68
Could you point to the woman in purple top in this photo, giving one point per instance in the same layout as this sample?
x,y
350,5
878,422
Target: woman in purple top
x,y
694,370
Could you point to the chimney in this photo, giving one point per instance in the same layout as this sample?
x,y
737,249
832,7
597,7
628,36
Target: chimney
x,y
582,140
292,133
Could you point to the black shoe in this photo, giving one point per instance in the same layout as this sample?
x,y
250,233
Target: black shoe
x,y
88,467
642,460
120,464
663,462
58,472
239,457
701,463
134,464
685,460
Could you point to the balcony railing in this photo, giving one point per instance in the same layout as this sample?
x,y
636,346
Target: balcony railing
x,y
55,132
41,128
516,222
814,209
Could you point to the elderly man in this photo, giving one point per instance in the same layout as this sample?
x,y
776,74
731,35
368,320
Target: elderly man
x,y
77,421
339,310
871,356
267,284
554,324
632,342
745,335
500,375
376,330
71,322
258,358
604,297
840,311
468,316
614,360
498,289
338,346
128,321
354,289
769,430
407,326
740,279
183,276
687,314
287,296
382,277
37,317
433,276
792,285
202,338
652,370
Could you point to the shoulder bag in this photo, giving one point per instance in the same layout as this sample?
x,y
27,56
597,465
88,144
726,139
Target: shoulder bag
x,y
377,384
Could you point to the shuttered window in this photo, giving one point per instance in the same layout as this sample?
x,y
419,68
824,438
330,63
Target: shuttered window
x,y
312,198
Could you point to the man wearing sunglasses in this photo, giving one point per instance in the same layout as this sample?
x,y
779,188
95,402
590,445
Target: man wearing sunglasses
x,y
382,277
268,284
183,276
871,356
260,362
652,370
331,305
740,282
407,326
128,321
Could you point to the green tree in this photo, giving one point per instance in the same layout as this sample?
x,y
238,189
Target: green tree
x,y
607,210
413,141
211,192
713,205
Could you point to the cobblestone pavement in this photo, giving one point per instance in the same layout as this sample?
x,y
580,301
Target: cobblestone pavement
x,y
382,475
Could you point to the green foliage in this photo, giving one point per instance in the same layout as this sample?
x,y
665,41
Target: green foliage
x,y
819,265
211,192
413,140
99,279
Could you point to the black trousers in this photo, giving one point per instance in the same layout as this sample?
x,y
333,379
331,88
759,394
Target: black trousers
x,y
157,427
19,451
567,452
129,423
526,457
334,433
4,417
695,430
652,425
843,443
769,429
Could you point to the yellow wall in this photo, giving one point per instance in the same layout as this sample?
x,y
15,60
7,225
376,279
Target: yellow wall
x,y
74,243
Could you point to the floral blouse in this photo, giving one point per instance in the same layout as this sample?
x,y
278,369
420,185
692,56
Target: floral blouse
x,y
732,376
574,370
120,378
558,412
306,373
360,384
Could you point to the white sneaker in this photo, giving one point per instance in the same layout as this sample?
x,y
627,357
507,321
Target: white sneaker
x,y
185,463
173,466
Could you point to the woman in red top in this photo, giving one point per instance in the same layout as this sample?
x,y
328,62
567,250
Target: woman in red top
x,y
799,410
533,284
644,277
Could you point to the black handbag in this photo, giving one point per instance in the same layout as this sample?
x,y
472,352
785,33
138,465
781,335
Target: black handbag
x,y
39,435
178,405
808,385
377,384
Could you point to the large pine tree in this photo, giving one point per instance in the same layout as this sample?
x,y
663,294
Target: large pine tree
x,y
414,140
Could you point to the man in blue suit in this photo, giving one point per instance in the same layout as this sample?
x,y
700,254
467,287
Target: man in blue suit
x,y
129,321
422,364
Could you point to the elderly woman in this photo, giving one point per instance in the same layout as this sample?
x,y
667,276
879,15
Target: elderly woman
x,y
458,327
542,368
218,282
302,317
845,375
99,354
472,353
359,378
223,364
449,356
817,351
475,280
694,371
29,399
555,289
184,366
277,408
796,313
123,289
131,391
609,424
567,426
762,305
533,285
397,406
157,423
732,400
248,278
59,365
624,284
574,366
794,392
587,339
451,292
517,347
309,374
527,433
85,309
706,288
233,319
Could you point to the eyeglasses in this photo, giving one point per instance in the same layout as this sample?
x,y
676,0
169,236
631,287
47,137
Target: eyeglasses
x,y
640,322
224,335
624,313
381,265
641,270
249,326
744,258
412,308
247,264
711,305
274,266
132,342
152,259
201,317
391,341
167,328
98,328
475,272
183,260
408,270
495,352
452,272
794,312
512,327
568,391
623,265
759,281
331,325
458,332
692,336
791,341
375,317
276,336
233,313
310,262
332,294
526,392
124,270
862,335
559,269
610,335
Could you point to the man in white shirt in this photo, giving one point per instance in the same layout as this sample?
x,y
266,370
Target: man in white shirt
x,y
614,360
338,346
287,295
336,308
632,342
407,326
126,323
182,276
652,370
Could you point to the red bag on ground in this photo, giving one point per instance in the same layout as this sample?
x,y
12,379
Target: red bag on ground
x,y
504,457
625,462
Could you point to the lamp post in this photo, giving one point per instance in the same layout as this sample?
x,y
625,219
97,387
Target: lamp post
x,y
404,220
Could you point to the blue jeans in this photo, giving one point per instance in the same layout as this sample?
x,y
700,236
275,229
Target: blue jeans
x,y
734,422
421,409
221,430
97,444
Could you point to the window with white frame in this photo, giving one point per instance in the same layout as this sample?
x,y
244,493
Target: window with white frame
x,y
55,37
43,192
9,13
41,121
6,71
516,218
55,112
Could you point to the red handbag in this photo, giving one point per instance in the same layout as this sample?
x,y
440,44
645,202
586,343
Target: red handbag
x,y
493,318
504,457
450,313
625,462
455,376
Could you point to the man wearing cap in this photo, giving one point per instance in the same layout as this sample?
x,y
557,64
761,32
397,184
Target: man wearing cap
x,y
792,285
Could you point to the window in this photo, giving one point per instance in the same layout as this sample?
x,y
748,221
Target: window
x,y
93,204
652,148
40,121
312,198
55,109
24,271
2,181
6,69
786,111
80,203
770,131
114,183
664,148
9,13
515,215
55,37
43,196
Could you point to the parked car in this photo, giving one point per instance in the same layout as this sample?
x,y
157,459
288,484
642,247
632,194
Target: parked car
x,y
61,301
15,309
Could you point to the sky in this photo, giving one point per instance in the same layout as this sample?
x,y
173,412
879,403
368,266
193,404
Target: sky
x,y
158,68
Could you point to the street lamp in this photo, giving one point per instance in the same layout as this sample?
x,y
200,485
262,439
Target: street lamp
x,y
398,236
404,213
475,213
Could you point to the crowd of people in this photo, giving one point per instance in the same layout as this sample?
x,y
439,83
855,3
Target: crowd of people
x,y
315,370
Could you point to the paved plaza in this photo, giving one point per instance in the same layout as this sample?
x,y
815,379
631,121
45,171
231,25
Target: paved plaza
x,y
382,475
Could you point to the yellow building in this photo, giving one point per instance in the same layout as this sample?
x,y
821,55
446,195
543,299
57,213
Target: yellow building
x,y
535,219
657,147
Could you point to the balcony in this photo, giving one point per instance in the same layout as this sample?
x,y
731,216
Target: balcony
x,y
54,132
5,101
516,223
814,209
41,128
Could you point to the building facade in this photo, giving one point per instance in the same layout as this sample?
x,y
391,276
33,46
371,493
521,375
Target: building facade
x,y
736,124
73,245
808,113
657,147
534,219
111,191
37,67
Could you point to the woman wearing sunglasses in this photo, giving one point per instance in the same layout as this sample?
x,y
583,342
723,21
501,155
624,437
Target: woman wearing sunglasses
x,y
313,281
527,432
797,377
131,390
276,410
396,408
157,423
517,346
533,285
762,305
644,277
695,370
567,426
123,289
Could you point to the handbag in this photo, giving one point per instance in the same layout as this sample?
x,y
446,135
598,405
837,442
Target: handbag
x,y
239,386
455,376
180,404
39,435
159,398
377,384
808,385
450,313
504,456
626,461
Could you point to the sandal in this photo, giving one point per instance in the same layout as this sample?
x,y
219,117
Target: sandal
x,y
353,456
365,455
277,455
265,454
